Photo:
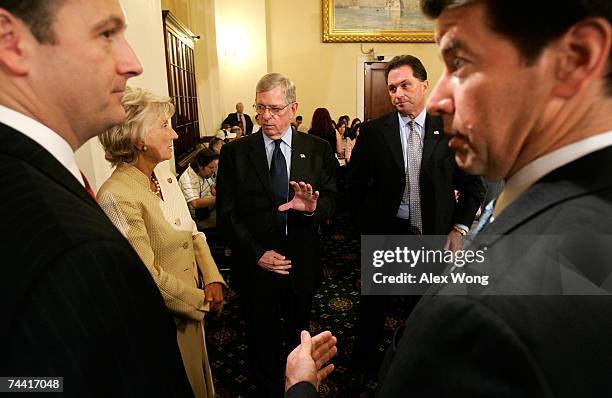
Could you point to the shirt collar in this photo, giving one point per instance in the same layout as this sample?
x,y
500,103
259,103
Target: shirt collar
x,y
286,138
43,136
538,168
419,120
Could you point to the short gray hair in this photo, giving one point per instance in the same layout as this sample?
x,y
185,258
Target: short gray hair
x,y
142,108
273,80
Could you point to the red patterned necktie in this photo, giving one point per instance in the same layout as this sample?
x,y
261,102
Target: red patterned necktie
x,y
88,188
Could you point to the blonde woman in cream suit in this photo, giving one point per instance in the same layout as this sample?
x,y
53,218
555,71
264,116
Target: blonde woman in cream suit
x,y
143,199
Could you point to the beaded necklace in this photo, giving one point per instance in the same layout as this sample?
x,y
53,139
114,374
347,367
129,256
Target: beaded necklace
x,y
157,187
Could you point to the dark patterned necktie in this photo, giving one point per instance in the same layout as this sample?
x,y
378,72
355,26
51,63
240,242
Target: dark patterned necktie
x,y
280,183
412,191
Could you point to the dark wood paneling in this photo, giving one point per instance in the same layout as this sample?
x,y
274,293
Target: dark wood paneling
x,y
376,100
180,68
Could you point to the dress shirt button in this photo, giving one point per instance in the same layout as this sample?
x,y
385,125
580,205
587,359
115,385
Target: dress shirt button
x,y
185,245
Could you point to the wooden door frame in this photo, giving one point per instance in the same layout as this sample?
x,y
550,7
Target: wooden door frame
x,y
360,65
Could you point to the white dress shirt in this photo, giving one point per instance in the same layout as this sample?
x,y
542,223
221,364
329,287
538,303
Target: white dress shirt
x,y
538,168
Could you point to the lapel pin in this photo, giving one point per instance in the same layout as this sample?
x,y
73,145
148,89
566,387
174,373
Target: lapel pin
x,y
436,132
302,156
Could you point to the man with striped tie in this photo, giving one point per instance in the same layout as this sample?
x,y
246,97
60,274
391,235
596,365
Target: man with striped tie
x,y
402,181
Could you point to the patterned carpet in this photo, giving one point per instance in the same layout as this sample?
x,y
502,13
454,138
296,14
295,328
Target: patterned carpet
x,y
334,308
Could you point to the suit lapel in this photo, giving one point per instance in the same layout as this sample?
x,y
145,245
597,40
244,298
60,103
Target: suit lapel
x,y
392,136
259,161
299,156
430,140
560,185
24,148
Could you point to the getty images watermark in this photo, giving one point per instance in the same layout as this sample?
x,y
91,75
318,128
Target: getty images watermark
x,y
577,264
405,265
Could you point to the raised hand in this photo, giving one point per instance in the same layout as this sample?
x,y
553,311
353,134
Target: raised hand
x,y
304,198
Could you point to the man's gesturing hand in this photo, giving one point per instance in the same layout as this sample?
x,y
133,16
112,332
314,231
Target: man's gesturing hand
x,y
274,262
304,198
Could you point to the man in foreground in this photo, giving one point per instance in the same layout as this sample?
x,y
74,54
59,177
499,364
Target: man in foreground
x,y
76,296
527,102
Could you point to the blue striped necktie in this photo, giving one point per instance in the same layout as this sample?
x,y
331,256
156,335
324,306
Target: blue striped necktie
x,y
485,217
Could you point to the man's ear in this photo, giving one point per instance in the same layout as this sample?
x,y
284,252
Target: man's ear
x,y
582,55
13,32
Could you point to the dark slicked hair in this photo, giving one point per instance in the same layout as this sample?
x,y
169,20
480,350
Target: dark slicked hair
x,y
38,15
418,70
531,25
203,158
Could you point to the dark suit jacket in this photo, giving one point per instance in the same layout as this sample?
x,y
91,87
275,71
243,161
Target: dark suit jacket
x,y
76,301
246,207
490,345
554,239
376,179
232,120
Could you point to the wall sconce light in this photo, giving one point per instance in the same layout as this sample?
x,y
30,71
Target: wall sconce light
x,y
195,38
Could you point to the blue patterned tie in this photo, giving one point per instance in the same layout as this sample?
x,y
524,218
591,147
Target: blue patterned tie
x,y
280,183
485,217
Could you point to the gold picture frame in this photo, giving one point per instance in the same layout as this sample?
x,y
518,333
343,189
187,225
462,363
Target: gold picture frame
x,y
388,21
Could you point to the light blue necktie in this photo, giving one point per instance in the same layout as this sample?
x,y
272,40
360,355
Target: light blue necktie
x,y
485,217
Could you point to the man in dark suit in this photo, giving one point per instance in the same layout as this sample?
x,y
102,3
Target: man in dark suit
x,y
75,296
275,244
402,180
541,325
239,118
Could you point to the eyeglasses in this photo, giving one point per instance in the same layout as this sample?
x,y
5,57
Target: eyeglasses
x,y
274,110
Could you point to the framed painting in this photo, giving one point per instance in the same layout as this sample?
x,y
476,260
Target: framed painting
x,y
375,21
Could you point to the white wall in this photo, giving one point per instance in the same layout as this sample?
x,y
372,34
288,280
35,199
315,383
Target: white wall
x,y
241,51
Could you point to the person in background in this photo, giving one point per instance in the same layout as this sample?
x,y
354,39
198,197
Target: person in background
x,y
143,199
198,187
234,134
344,118
322,127
215,144
351,138
239,118
401,181
256,125
341,128
298,122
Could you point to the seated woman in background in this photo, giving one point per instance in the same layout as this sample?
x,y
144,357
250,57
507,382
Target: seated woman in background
x,y
354,122
198,187
340,142
143,199
215,144
322,126
351,138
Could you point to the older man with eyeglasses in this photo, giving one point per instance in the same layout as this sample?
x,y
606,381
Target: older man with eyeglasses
x,y
273,188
